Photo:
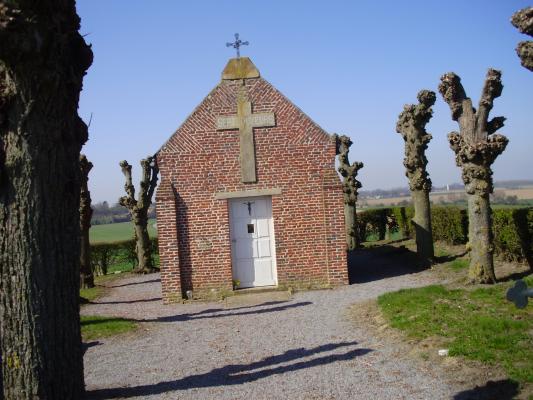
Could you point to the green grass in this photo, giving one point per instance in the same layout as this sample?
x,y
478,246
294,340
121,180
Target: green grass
x,y
95,292
479,324
459,264
373,237
92,293
117,232
94,327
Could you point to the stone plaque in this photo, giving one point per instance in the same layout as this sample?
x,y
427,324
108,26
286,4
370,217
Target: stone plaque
x,y
203,243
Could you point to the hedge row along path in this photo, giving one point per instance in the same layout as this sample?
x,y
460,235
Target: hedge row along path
x,y
304,348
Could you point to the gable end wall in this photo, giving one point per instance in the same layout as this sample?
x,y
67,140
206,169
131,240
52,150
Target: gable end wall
x,y
296,156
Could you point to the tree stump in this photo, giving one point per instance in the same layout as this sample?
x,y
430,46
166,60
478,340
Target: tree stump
x,y
86,213
350,186
476,147
138,209
411,125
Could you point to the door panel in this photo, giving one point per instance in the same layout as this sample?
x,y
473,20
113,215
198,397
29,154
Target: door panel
x,y
252,241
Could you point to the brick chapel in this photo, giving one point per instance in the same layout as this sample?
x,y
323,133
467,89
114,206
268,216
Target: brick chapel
x,y
249,195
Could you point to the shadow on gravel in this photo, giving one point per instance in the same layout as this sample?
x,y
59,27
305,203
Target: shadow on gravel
x,y
450,257
499,390
238,374
514,276
87,345
128,301
221,312
135,283
380,262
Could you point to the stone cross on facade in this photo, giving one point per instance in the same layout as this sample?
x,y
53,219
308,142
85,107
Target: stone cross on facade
x,y
245,121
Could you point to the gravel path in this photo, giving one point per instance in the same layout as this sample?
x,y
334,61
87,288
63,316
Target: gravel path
x,y
305,348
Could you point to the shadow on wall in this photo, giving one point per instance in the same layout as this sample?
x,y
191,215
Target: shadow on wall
x,y
238,374
183,244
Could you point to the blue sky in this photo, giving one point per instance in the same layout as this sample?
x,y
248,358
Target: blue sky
x,y
349,65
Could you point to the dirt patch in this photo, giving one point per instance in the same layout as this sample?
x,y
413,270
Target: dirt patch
x,y
488,382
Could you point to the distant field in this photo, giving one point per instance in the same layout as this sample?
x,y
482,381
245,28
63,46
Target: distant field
x,y
117,232
521,194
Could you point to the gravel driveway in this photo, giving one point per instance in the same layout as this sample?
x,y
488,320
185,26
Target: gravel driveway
x,y
304,348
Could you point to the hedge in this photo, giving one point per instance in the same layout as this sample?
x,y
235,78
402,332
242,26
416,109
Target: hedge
x,y
105,254
512,228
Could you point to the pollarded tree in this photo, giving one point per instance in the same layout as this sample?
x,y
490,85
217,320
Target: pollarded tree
x,y
350,186
412,126
43,59
523,21
86,213
476,147
138,209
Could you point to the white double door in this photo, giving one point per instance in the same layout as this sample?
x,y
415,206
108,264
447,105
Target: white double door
x,y
252,241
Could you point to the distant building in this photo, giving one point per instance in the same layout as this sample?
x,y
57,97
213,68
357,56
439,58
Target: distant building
x,y
249,195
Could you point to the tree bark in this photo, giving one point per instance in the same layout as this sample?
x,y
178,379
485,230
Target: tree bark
x,y
481,247
350,186
86,212
422,225
138,209
476,147
523,21
411,125
43,60
143,247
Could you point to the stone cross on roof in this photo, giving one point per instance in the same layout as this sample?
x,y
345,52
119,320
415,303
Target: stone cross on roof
x,y
245,121
237,44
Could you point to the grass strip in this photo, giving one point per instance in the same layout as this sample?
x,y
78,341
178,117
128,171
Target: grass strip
x,y
479,324
95,327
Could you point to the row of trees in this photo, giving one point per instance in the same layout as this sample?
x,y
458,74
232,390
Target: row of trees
x,y
476,147
138,209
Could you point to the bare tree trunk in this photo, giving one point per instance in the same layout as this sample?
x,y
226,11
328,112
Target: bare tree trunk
x,y
422,225
350,222
138,209
523,21
412,126
43,60
476,147
479,227
86,213
350,186
143,247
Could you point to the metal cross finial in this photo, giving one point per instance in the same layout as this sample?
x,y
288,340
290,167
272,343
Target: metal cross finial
x,y
238,43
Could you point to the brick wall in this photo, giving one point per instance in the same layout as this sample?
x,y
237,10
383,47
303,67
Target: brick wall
x,y
296,156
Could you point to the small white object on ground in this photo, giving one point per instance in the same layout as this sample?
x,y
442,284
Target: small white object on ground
x,y
444,352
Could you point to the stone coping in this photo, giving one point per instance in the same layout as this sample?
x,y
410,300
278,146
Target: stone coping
x,y
247,193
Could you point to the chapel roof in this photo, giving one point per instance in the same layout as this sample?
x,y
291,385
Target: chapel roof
x,y
241,68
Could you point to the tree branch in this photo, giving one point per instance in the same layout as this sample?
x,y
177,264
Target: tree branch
x,y
523,20
129,200
153,181
492,89
453,93
525,52
494,124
